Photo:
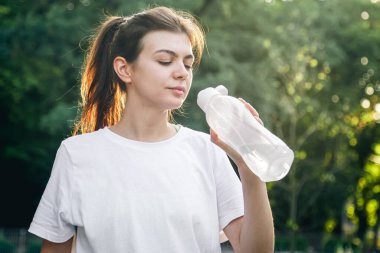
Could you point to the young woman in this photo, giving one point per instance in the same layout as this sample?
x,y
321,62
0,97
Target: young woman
x,y
134,182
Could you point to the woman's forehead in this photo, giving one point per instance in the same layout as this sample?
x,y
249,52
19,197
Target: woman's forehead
x,y
165,40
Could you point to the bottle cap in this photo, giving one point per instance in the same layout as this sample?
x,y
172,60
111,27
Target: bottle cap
x,y
204,96
222,90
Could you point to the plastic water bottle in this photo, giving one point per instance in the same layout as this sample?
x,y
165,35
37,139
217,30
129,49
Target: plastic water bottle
x,y
265,154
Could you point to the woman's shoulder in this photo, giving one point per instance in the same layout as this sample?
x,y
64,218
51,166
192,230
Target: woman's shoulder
x,y
84,140
199,139
196,134
201,143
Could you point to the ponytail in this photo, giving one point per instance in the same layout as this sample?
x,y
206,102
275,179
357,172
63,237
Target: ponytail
x,y
101,90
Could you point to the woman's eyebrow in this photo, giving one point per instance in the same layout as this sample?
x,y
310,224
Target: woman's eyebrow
x,y
174,54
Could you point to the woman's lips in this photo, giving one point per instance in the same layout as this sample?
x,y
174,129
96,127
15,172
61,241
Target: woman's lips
x,y
178,90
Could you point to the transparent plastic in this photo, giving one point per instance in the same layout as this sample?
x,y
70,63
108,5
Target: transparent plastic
x,y
265,154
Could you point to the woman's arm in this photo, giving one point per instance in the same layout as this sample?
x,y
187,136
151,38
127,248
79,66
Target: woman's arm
x,y
254,232
52,247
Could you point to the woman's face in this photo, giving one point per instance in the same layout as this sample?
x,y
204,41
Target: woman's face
x,y
162,74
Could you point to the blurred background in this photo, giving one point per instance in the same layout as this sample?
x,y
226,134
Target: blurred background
x,y
311,68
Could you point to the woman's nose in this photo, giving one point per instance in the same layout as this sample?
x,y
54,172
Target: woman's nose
x,y
181,72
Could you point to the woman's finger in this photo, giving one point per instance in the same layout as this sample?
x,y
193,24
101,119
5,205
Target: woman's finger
x,y
252,111
229,150
259,120
249,107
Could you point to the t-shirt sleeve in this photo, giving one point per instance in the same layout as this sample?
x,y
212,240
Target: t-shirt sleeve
x,y
228,190
52,220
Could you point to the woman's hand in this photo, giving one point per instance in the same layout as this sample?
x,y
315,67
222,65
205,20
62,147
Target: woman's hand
x,y
229,150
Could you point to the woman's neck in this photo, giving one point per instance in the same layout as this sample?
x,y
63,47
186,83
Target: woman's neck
x,y
147,126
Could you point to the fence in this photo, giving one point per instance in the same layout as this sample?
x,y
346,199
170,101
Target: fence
x,y
20,241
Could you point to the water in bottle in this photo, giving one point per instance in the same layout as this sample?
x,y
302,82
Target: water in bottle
x,y
265,154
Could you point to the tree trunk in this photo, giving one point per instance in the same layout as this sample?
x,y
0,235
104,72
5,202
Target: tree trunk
x,y
293,212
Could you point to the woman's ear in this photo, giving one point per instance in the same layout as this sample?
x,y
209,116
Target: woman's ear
x,y
122,67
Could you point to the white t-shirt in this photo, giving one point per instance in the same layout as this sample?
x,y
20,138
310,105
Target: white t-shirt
x,y
121,195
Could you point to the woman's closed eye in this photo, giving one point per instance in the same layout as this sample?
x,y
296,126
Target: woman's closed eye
x,y
167,63
188,66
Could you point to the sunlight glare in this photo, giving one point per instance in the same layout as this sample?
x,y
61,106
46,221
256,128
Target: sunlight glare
x,y
365,103
365,15
364,60
369,90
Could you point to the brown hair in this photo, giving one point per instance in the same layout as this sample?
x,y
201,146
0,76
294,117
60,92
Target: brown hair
x,y
102,91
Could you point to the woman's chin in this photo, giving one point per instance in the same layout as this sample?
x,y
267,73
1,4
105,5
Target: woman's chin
x,y
175,105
